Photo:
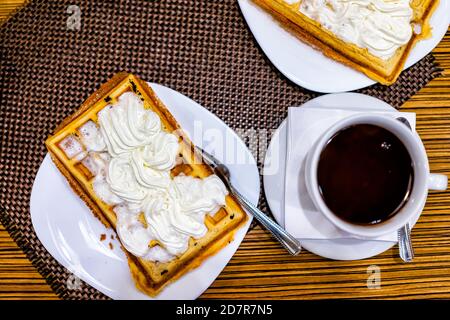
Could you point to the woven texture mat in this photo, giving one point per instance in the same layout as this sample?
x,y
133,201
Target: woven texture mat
x,y
202,49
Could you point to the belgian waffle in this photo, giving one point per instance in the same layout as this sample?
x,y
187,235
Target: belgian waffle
x,y
314,34
150,277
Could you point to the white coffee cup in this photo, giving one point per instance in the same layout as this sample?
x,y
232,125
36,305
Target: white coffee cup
x,y
423,179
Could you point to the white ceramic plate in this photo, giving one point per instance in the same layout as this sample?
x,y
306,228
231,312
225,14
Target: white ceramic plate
x,y
69,231
342,249
311,69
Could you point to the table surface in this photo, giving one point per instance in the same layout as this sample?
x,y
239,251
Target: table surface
x,y
262,269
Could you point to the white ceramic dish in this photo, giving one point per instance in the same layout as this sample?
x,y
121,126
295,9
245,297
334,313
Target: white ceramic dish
x,y
308,67
71,234
342,249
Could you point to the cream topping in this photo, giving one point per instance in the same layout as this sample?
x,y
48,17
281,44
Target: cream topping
x,y
91,137
123,182
381,26
127,125
134,175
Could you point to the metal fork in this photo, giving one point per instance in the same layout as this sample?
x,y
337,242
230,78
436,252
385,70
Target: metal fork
x,y
290,243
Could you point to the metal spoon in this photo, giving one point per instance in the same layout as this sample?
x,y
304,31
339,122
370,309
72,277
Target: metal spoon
x,y
406,250
290,243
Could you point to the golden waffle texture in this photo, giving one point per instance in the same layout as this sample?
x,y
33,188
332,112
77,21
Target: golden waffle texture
x,y
150,277
313,33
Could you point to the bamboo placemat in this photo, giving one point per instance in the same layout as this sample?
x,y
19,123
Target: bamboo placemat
x,y
202,49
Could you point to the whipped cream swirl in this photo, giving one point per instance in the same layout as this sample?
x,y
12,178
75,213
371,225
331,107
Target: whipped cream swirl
x,y
381,26
127,125
131,157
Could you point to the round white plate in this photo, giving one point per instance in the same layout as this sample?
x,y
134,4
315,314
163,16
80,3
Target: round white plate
x,y
71,234
308,67
341,249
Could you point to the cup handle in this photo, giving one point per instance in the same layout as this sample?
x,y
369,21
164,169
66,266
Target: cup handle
x,y
438,182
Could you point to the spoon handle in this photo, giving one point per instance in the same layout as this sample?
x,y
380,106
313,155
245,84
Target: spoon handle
x,y
404,234
290,243
404,243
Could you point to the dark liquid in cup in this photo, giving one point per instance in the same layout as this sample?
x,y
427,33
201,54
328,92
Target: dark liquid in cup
x,y
365,174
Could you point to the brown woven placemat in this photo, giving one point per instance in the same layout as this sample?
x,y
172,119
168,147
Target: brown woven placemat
x,y
202,49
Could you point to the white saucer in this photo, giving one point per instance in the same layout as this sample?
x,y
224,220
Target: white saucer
x,y
308,67
341,249
71,234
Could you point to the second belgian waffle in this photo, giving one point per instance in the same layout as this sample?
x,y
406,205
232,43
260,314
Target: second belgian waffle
x,y
314,34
